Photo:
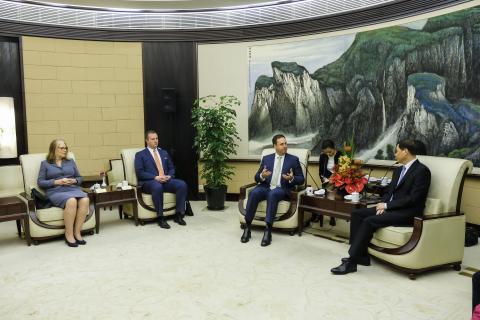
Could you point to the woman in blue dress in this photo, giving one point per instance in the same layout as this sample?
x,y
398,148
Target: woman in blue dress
x,y
61,180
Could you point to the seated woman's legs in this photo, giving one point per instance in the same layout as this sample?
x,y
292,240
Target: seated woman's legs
x,y
69,214
81,215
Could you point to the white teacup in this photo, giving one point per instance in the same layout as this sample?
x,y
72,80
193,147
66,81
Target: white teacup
x,y
320,192
355,197
124,183
309,191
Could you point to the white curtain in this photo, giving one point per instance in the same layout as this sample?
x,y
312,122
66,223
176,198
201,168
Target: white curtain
x,y
8,136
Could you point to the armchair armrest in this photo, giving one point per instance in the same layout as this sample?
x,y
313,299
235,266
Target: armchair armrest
x,y
243,190
419,225
30,201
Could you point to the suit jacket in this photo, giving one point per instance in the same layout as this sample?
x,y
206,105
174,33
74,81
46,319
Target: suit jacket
x,y
323,162
289,162
145,166
410,195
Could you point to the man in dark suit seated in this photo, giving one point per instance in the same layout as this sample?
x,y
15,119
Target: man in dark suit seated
x,y
279,172
404,200
156,174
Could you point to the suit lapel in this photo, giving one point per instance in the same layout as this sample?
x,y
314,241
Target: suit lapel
x,y
150,157
408,174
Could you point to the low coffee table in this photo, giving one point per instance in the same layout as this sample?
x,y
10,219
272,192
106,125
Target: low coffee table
x,y
114,197
13,208
326,205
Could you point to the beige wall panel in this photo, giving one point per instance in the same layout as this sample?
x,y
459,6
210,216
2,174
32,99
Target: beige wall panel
x,y
88,92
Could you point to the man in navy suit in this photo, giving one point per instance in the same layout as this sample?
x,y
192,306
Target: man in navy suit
x,y
279,172
404,200
156,174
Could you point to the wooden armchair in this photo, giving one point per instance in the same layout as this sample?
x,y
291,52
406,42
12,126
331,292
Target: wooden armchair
x,y
286,218
436,239
146,209
45,223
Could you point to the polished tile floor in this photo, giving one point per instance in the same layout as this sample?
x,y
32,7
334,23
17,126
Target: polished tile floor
x,y
202,271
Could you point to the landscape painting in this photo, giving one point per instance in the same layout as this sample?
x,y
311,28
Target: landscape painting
x,y
419,80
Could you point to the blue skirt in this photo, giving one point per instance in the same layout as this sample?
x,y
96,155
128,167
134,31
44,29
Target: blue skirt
x,y
60,195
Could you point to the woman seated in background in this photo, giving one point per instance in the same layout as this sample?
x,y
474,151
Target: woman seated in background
x,y
328,159
61,180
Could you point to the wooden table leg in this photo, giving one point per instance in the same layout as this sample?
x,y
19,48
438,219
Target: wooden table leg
x,y
120,211
135,212
26,227
19,228
300,221
97,219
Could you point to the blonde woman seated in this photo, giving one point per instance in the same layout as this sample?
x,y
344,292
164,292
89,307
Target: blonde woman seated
x,y
60,178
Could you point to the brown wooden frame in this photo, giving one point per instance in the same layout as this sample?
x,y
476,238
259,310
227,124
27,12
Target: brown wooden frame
x,y
32,212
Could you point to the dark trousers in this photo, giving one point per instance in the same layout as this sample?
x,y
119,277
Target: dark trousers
x,y
475,289
156,189
365,222
260,193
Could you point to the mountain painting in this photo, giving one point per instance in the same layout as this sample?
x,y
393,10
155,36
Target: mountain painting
x,y
419,80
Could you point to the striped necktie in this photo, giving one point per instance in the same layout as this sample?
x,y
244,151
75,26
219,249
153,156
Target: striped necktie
x,y
158,163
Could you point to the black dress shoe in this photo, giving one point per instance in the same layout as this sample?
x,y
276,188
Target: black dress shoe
x,y
363,261
71,244
267,238
80,242
247,234
346,267
163,224
179,220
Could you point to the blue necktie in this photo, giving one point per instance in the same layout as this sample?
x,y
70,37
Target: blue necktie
x,y
404,169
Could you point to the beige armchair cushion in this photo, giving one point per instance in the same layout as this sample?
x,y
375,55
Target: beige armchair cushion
x,y
446,178
168,199
50,214
396,236
31,166
11,181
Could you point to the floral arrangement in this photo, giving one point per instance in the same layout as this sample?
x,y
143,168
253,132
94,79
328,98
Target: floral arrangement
x,y
347,174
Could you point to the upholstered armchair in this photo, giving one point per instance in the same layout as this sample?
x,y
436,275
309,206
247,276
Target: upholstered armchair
x,y
287,215
437,238
11,182
115,175
146,209
45,223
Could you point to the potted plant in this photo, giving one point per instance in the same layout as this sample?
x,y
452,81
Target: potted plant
x,y
216,139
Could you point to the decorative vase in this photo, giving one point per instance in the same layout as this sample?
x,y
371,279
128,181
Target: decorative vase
x,y
340,193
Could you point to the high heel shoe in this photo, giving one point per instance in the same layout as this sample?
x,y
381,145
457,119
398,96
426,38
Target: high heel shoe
x,y
80,242
71,244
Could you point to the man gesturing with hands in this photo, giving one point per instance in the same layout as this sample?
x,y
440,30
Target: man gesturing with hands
x,y
279,172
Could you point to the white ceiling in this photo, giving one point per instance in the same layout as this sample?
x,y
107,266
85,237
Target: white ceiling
x,y
161,4
179,14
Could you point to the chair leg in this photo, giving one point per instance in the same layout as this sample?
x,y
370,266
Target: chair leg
x,y
412,276
457,266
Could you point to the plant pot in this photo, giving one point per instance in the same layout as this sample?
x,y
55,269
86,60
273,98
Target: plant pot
x,y
215,197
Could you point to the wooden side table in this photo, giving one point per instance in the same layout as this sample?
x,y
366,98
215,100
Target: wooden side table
x,y
13,208
114,197
327,206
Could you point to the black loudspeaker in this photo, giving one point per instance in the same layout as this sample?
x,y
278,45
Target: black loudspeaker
x,y
169,100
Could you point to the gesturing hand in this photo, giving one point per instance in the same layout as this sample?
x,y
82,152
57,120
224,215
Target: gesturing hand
x,y
265,173
289,176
